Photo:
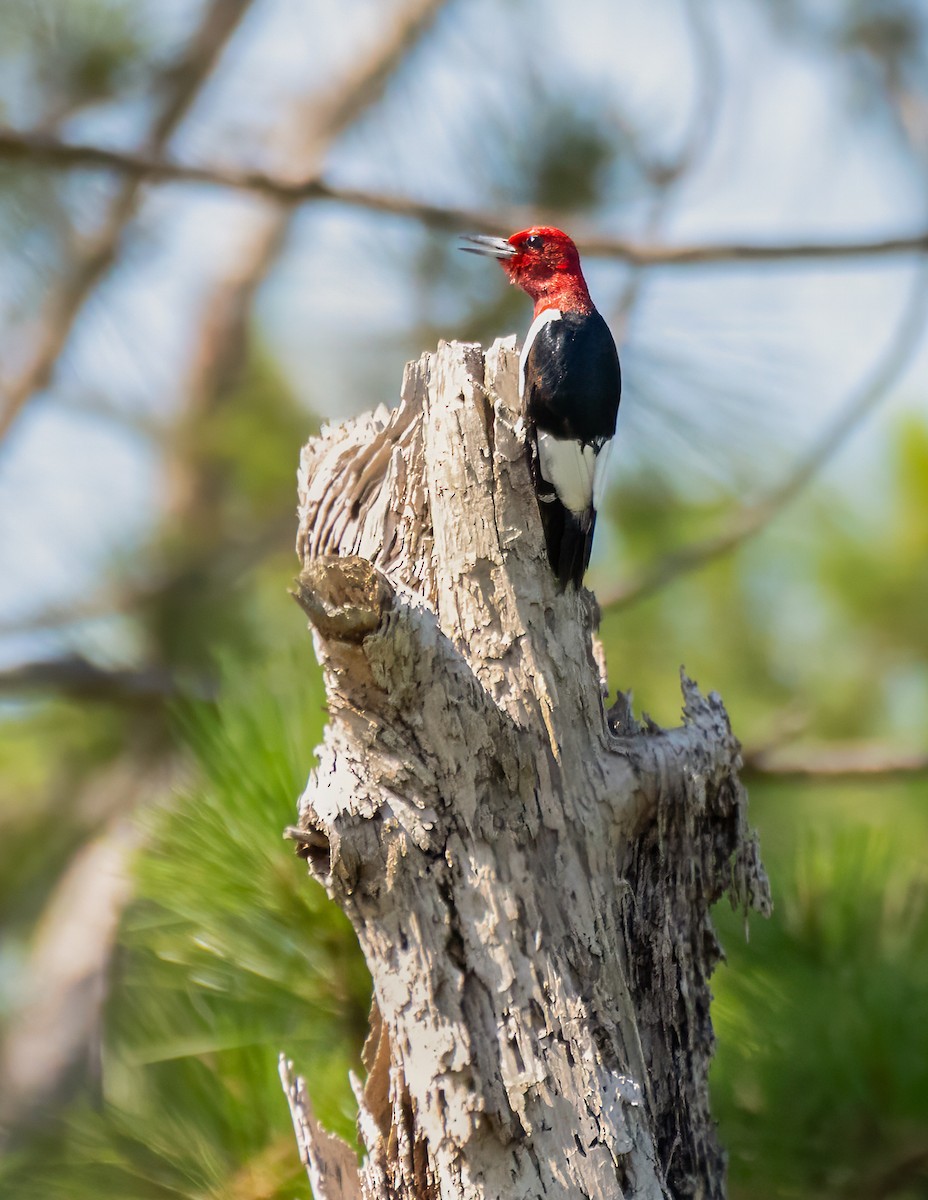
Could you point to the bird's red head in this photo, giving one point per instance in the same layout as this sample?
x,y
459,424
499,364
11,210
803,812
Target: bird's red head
x,y
544,262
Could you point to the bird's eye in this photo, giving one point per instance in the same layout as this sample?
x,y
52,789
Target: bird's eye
x,y
534,242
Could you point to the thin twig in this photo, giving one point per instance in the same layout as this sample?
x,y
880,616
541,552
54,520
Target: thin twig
x,y
749,521
40,149
95,256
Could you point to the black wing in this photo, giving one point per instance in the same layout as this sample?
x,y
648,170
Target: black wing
x,y
572,387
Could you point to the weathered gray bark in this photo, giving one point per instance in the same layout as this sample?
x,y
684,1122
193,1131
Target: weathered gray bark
x,y
529,876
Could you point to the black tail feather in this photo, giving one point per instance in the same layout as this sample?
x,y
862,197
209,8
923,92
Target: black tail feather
x,y
569,539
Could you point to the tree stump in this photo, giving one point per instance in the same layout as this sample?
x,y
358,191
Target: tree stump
x,y
529,874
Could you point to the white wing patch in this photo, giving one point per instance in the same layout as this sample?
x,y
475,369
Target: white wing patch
x,y
601,473
543,318
575,471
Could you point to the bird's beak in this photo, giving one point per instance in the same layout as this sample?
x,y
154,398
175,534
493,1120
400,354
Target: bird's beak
x,y
492,246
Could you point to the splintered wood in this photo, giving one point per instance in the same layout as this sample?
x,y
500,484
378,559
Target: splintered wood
x,y
530,880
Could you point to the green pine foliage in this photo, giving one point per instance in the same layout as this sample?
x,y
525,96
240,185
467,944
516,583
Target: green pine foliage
x,y
821,1078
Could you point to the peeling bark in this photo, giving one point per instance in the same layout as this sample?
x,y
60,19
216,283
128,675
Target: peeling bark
x,y
529,876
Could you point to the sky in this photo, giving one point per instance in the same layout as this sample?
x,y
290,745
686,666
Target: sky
x,y
761,357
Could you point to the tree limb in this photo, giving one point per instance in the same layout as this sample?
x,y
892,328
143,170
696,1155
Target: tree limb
x,y
850,763
78,677
43,150
331,1164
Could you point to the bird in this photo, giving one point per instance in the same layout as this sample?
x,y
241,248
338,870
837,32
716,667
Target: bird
x,y
570,386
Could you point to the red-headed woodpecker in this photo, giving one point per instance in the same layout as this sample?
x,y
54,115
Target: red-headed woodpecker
x,y
571,384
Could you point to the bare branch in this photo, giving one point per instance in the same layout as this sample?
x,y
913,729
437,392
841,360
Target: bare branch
x,y
241,554
77,676
97,254
750,520
105,603
40,149
720,253
834,764
51,1042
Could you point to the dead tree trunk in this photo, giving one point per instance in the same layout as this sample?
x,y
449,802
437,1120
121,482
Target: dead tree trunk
x,y
529,875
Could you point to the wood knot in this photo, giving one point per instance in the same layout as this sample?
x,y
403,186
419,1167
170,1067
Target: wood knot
x,y
345,598
313,845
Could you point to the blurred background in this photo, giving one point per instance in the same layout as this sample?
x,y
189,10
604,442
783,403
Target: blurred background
x,y
224,221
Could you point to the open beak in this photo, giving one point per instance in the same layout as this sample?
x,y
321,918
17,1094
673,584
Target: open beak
x,y
493,247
